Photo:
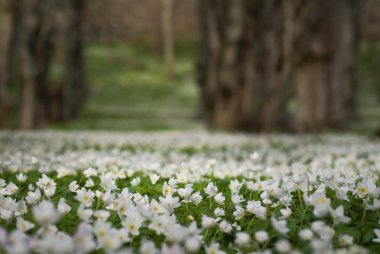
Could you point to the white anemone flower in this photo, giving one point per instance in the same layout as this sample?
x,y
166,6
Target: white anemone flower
x,y
45,213
280,226
85,197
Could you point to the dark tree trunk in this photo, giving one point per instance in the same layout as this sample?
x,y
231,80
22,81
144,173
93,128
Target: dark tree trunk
x,y
326,43
244,63
272,47
72,90
6,27
49,34
224,64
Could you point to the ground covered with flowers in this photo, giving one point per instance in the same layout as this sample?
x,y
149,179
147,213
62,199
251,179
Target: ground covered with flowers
x,y
188,193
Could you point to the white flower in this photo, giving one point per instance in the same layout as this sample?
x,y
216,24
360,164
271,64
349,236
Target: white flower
x,y
156,207
169,202
33,196
107,182
225,227
11,188
136,181
85,197
261,236
321,204
219,198
167,189
338,215
345,240
62,206
73,186
23,225
21,208
102,229
214,249
101,215
140,199
110,242
377,233
175,233
84,214
375,205
239,212
154,178
133,223
174,249
283,246
254,156
237,199
196,198
280,226
89,183
45,213
21,177
192,244
211,189
46,184
183,177
235,186
306,234
219,212
242,239
367,187
147,247
83,238
55,243
285,213
186,192
207,222
257,209
90,172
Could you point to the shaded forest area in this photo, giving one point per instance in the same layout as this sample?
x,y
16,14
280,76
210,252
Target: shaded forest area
x,y
261,65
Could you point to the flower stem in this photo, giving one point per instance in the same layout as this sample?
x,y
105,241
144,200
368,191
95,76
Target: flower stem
x,y
300,199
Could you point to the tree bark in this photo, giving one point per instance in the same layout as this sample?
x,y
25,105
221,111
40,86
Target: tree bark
x,y
6,28
50,35
224,65
326,44
272,47
167,31
28,66
244,63
72,91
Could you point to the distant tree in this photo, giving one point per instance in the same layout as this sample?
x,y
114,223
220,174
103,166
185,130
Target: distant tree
x,y
167,31
224,64
272,46
244,63
253,53
6,28
324,72
47,33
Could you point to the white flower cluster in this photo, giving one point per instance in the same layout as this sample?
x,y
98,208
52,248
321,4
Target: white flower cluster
x,y
188,193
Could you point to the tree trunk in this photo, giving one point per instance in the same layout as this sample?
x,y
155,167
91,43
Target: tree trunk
x,y
326,43
244,63
224,65
6,26
28,66
167,35
272,47
50,35
72,90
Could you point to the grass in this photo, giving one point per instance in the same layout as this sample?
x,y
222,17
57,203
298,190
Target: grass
x,y
131,91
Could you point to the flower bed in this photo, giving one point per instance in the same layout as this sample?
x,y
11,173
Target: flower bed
x,y
188,193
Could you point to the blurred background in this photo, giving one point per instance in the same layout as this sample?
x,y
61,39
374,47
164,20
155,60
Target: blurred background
x,y
233,65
